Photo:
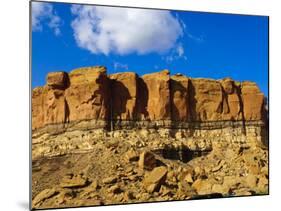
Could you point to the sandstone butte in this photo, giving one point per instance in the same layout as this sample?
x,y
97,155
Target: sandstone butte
x,y
89,94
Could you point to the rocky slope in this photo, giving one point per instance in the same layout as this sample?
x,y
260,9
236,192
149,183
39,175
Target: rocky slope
x,y
121,138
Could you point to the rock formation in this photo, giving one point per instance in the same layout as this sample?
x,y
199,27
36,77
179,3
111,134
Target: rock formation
x,y
158,102
90,94
122,138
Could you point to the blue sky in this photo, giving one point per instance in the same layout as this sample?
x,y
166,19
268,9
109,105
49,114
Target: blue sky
x,y
66,36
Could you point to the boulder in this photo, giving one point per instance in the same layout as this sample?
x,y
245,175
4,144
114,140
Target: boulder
x,y
202,186
57,80
154,179
115,189
250,181
231,181
188,178
73,181
147,161
262,186
131,156
220,188
110,180
44,195
242,192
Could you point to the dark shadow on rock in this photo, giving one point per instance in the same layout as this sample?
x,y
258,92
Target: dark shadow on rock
x,y
208,196
67,112
192,101
239,94
160,163
264,135
183,154
120,95
66,82
142,98
177,87
265,128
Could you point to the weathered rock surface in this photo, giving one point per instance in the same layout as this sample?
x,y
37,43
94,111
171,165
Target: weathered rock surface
x,y
154,179
253,101
122,138
73,181
90,94
180,98
57,80
232,104
109,180
206,101
45,194
86,98
110,166
158,86
147,161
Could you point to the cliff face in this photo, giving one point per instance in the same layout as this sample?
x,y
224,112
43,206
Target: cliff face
x,y
91,94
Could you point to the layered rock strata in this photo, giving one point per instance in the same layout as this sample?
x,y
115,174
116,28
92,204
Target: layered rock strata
x,y
88,98
92,95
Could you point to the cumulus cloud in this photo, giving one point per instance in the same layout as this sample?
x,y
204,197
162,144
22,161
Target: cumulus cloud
x,y
104,30
44,12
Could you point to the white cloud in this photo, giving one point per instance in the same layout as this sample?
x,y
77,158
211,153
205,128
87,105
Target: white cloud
x,y
180,50
176,54
198,39
118,66
124,30
44,12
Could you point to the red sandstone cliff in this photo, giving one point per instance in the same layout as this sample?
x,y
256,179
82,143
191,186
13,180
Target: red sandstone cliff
x,y
91,94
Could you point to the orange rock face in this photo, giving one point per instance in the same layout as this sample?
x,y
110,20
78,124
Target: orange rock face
x,y
54,107
37,107
253,101
158,87
57,80
48,102
206,100
179,98
90,94
83,94
232,107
